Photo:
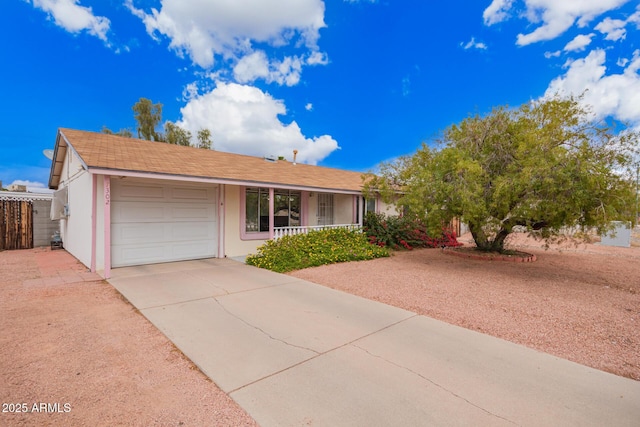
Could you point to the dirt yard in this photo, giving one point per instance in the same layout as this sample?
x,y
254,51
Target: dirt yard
x,y
74,353
580,303
70,342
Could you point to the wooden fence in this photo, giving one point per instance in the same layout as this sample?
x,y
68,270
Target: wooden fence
x,y
16,224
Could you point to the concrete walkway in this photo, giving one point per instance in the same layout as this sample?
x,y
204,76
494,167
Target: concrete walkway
x,y
293,353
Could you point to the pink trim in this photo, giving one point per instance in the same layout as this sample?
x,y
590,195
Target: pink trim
x,y
304,208
221,203
113,172
94,202
271,212
107,227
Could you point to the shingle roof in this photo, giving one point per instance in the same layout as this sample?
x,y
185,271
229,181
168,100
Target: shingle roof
x,y
116,153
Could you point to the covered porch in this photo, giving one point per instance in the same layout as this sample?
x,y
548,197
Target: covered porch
x,y
270,213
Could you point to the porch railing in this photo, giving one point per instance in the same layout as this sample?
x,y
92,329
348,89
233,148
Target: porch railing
x,y
291,231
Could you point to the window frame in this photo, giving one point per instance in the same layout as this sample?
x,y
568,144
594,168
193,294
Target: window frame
x,y
251,235
266,235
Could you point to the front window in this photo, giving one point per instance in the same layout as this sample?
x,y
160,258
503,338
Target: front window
x,y
325,209
286,208
370,206
257,210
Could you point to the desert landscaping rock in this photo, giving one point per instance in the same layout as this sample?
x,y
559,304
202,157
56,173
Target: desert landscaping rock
x,y
71,341
68,338
577,301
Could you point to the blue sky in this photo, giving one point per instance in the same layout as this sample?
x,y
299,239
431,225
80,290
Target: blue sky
x,y
347,83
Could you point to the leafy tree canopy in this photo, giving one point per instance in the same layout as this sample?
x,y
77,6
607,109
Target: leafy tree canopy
x,y
148,116
204,139
174,134
542,167
122,132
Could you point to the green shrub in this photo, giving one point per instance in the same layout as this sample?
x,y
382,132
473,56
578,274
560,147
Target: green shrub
x,y
315,248
403,232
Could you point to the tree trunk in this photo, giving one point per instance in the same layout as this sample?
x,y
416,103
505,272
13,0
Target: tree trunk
x,y
484,243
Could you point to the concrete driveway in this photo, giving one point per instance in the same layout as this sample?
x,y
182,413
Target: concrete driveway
x,y
294,353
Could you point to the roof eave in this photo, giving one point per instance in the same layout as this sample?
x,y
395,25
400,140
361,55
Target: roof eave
x,y
57,162
59,154
190,178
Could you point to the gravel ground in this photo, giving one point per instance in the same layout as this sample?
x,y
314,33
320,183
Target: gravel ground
x,y
579,302
78,343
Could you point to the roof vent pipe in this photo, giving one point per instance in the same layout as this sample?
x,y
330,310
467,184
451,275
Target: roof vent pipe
x,y
295,154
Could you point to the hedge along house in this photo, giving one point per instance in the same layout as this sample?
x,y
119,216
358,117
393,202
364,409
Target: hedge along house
x,y
124,201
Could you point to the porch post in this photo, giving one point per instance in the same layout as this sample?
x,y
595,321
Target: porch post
x,y
271,212
94,208
355,217
107,226
304,208
221,219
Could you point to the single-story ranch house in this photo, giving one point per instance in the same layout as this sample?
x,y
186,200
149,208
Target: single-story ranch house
x,y
124,201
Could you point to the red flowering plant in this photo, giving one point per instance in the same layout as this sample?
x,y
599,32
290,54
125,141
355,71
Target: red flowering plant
x,y
404,232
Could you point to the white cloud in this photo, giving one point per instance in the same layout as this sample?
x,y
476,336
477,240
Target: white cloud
x,y
317,58
309,107
614,95
208,31
32,186
554,54
473,44
622,62
287,71
615,29
497,11
252,67
553,16
190,91
559,16
74,18
243,119
579,43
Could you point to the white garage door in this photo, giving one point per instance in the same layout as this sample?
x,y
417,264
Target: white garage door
x,y
159,221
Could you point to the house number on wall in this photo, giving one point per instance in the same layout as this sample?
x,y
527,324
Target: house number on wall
x,y
107,192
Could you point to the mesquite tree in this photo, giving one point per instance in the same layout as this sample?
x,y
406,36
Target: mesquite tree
x,y
543,167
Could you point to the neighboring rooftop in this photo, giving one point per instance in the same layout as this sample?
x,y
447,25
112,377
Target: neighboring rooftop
x,y
21,195
111,154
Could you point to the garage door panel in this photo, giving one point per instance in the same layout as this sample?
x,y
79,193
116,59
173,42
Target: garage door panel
x,y
191,194
191,213
193,231
137,192
125,234
135,233
125,212
190,250
137,254
153,223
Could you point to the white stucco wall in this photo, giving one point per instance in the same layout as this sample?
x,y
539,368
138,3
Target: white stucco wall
x,y
76,228
386,208
342,209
